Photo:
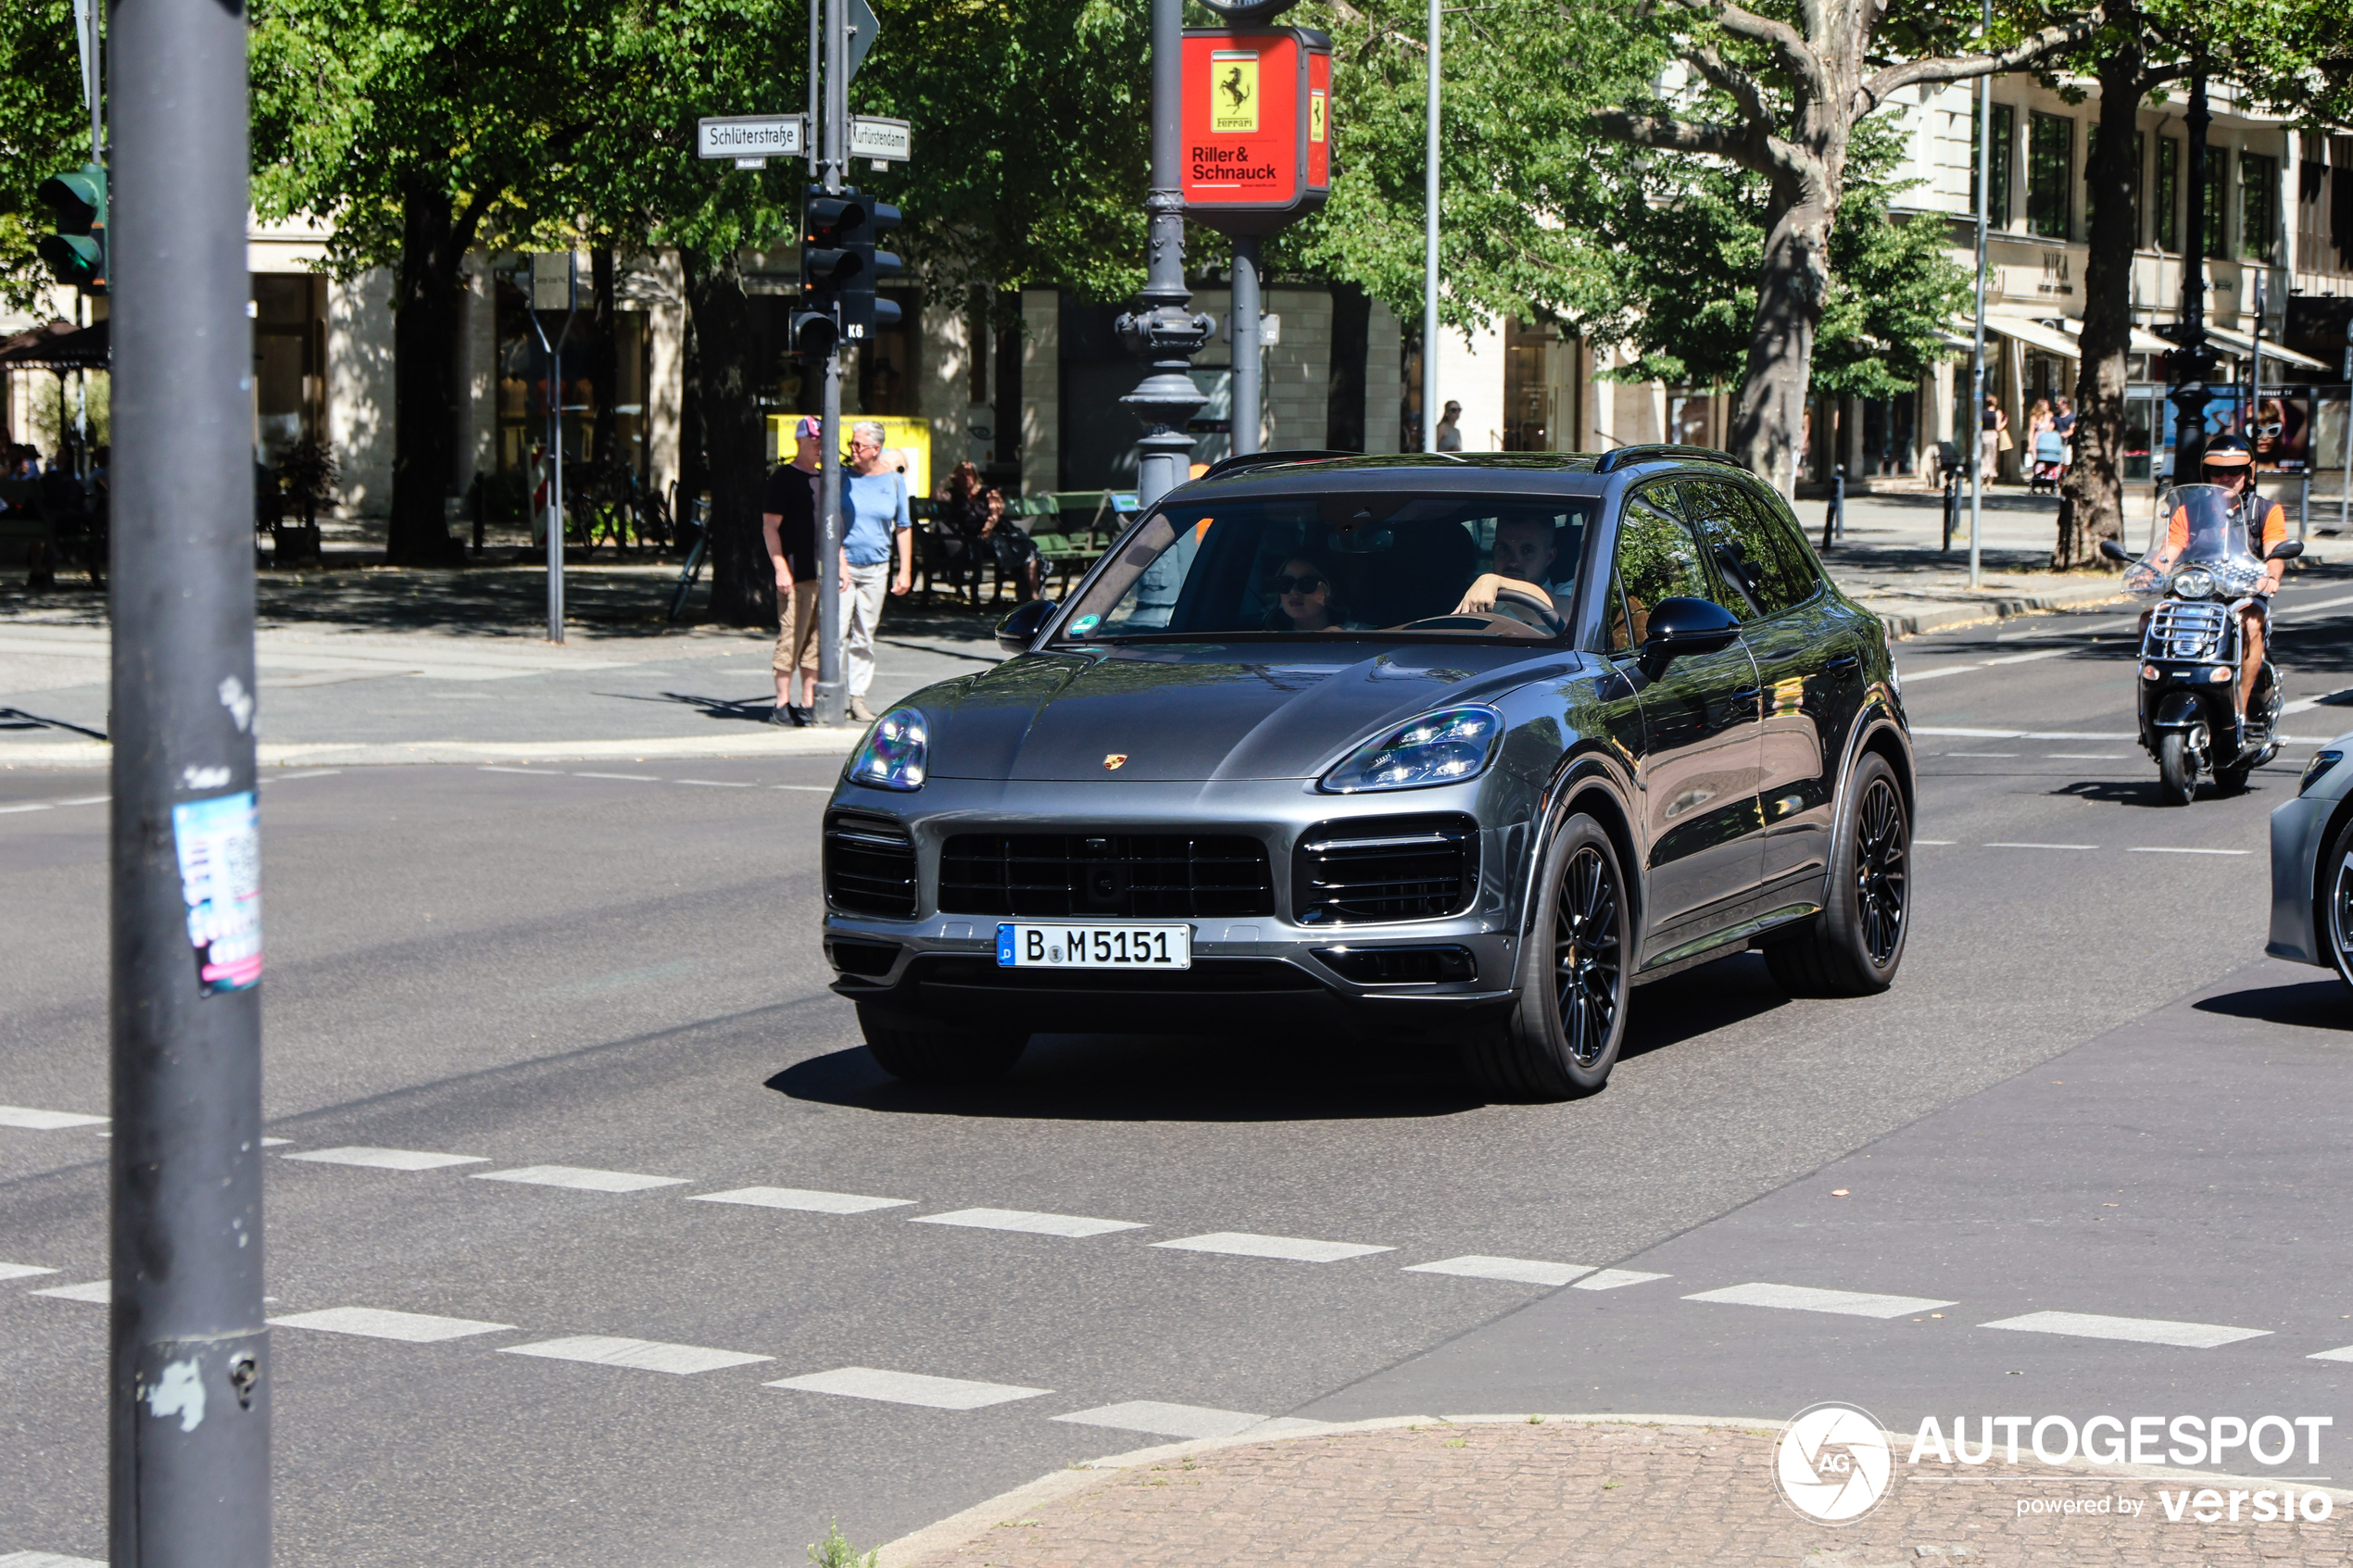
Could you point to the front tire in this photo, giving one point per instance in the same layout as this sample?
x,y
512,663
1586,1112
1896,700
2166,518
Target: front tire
x,y
2334,908
1855,944
1569,1021
2178,755
917,1052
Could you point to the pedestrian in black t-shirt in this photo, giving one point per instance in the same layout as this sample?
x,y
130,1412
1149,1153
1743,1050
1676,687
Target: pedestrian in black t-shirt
x,y
789,526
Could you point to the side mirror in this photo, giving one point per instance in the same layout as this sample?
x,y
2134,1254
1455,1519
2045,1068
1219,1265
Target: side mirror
x,y
2115,551
1680,626
2286,549
1017,630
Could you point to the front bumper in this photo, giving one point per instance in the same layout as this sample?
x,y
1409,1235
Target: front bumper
x,y
1249,972
2298,830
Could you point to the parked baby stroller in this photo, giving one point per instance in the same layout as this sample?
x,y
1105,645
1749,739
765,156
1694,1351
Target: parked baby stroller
x,y
2050,462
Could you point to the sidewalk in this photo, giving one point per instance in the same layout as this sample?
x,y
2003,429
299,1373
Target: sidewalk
x,y
1581,1492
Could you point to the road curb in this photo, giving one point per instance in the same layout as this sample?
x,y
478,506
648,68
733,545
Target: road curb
x,y
1949,618
813,742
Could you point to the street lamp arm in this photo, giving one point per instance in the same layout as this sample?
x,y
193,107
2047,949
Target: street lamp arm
x,y
2027,51
1743,144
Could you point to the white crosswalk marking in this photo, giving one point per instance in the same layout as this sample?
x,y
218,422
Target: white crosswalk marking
x,y
1241,1244
1615,1279
2140,1331
908,1388
581,1178
646,1355
22,1271
46,1121
1022,1220
802,1198
47,1560
375,1322
1165,1420
1804,1298
386,1158
2342,1353
97,1292
1522,1270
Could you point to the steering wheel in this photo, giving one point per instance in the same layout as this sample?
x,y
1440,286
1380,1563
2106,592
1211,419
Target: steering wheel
x,y
1549,617
1489,625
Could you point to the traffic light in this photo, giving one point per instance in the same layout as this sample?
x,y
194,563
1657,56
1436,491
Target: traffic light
x,y
862,310
829,263
77,252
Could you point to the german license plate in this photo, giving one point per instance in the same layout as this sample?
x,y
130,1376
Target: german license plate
x,y
1021,944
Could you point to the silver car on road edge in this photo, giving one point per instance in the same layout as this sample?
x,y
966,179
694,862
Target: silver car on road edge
x,y
2312,865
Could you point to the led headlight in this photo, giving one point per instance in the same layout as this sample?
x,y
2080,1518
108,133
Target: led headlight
x,y
895,752
2193,582
2317,770
1444,747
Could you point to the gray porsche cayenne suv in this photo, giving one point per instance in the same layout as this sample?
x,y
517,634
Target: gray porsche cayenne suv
x,y
1457,749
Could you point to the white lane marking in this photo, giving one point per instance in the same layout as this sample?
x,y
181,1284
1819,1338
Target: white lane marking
x,y
1985,663
376,1323
22,1271
1941,843
2301,705
1616,1279
97,1292
1804,1298
47,1560
802,1198
388,1159
2342,1353
275,1143
311,773
2172,849
2141,1331
1977,754
1914,677
632,778
715,784
2016,844
644,1355
46,1121
1520,1270
27,806
1241,1244
2069,735
528,772
1022,1220
86,800
580,1178
2092,756
908,1388
2306,609
1165,1420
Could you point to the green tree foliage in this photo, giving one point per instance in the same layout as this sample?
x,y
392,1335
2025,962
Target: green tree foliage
x,y
44,129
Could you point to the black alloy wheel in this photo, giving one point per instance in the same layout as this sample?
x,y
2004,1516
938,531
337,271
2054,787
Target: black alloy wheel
x,y
1882,874
1588,956
1855,945
1563,1034
2335,924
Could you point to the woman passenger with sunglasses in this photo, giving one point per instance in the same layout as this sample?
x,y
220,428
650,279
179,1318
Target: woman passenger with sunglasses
x,y
1303,598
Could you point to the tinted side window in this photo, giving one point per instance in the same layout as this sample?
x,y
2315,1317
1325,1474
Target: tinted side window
x,y
1656,560
1756,554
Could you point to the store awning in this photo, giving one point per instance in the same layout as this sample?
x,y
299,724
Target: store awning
x,y
2143,342
2241,344
59,346
2035,334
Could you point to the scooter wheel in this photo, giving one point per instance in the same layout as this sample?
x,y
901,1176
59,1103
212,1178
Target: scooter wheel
x,y
2177,759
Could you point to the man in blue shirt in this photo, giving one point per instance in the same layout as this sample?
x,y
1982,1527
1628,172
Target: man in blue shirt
x,y
876,524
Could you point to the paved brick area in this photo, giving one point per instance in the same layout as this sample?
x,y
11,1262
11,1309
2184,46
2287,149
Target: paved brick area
x,y
1593,1496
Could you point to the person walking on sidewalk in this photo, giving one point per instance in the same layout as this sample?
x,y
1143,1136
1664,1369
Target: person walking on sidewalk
x,y
788,527
1993,435
875,522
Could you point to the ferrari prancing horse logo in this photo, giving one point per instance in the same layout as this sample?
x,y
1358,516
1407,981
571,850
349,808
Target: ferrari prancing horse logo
x,y
1114,760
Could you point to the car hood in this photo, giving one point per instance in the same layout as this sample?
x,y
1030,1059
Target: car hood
x,y
1200,711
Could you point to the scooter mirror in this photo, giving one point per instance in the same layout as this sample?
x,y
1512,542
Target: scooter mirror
x,y
2286,549
2114,551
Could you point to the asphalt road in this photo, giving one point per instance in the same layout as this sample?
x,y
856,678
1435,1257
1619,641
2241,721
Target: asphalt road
x,y
615,971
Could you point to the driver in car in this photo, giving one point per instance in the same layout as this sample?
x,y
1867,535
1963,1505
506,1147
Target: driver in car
x,y
1522,562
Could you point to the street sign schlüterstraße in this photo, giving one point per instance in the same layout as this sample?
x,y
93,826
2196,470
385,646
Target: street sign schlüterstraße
x,y
884,140
753,135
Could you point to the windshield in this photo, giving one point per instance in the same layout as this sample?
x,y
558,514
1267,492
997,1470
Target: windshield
x,y
2206,530
1449,566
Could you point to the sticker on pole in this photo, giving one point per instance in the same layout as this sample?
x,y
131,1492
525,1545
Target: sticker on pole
x,y
220,846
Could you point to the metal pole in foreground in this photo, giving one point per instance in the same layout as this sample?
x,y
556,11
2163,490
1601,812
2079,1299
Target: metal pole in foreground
x,y
833,695
1977,352
189,1394
2192,360
1429,246
1165,335
1243,319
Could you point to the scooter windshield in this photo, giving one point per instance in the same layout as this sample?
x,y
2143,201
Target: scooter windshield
x,y
2201,553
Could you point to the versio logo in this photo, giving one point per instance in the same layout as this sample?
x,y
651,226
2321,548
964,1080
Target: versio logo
x,y
1832,1463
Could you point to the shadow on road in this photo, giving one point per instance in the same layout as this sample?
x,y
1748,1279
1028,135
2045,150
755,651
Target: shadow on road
x,y
2313,1004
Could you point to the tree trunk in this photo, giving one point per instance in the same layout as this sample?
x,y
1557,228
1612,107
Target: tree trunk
x,y
1344,394
425,344
2092,495
1769,411
743,584
604,354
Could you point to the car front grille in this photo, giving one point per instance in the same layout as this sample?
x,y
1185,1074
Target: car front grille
x,y
1385,868
870,866
2186,629
1138,875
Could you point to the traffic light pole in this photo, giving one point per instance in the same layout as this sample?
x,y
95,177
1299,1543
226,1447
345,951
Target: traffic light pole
x,y
190,1384
832,693
1166,334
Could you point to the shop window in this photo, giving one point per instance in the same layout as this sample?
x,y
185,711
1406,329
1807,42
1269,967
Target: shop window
x,y
1527,422
2050,176
2258,205
1998,190
2169,192
2215,238
289,361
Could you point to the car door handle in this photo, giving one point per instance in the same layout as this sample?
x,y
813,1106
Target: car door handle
x,y
1844,662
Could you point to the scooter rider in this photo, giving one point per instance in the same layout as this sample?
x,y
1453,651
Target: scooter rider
x,y
2230,464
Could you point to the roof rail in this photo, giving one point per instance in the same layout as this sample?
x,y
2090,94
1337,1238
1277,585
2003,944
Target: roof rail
x,y
1610,462
1259,459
